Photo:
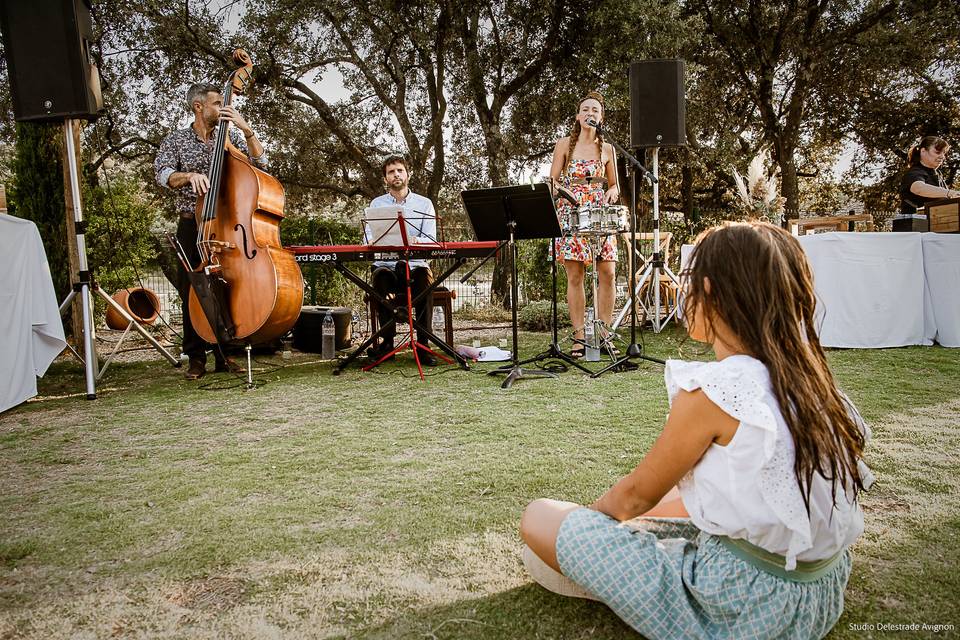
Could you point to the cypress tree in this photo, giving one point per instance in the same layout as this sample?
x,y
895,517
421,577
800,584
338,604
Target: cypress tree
x,y
37,194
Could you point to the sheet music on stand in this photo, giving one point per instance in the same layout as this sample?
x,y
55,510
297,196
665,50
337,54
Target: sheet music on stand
x,y
382,227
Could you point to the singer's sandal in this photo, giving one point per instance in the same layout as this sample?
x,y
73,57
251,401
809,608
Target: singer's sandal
x,y
577,351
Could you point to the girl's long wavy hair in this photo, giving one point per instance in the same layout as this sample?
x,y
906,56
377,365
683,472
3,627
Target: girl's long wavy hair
x,y
575,131
762,287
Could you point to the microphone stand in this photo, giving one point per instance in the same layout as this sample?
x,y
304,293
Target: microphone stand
x,y
634,350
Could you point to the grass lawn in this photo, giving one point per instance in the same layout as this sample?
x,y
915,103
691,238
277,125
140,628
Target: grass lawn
x,y
374,505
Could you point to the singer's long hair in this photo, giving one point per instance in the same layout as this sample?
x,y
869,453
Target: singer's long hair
x,y
927,142
761,286
575,132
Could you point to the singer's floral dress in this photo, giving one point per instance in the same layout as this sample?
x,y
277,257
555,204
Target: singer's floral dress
x,y
571,246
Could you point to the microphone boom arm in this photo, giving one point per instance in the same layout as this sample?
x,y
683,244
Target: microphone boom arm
x,y
626,154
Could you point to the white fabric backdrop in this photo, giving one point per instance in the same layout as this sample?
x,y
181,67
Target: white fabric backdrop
x,y
941,270
869,288
31,331
884,289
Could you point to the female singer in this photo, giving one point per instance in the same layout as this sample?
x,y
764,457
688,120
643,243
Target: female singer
x,y
586,167
922,182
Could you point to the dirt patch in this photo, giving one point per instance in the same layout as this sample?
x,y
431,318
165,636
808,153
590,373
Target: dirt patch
x,y
208,594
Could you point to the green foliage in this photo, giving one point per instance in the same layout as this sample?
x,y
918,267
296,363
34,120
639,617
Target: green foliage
x,y
484,313
538,316
534,271
37,194
324,285
119,239
686,231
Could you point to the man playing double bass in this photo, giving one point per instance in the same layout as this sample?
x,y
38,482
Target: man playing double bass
x,y
181,165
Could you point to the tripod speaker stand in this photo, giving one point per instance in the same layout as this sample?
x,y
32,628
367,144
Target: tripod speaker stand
x,y
513,213
85,284
655,269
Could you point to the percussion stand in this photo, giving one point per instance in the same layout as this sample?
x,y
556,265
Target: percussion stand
x,y
603,336
634,350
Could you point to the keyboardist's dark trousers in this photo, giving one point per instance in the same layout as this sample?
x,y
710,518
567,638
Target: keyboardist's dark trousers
x,y
391,284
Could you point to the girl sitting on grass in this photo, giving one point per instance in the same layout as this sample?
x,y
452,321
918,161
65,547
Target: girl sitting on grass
x,y
749,496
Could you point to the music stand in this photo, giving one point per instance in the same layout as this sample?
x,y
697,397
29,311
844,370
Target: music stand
x,y
521,212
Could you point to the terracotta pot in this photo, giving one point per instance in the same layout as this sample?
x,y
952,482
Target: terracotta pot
x,y
142,304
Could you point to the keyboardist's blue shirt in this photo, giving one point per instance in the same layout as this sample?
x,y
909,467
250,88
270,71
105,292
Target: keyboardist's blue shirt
x,y
421,223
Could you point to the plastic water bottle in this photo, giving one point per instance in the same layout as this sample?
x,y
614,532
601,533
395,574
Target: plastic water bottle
x,y
591,353
328,338
438,327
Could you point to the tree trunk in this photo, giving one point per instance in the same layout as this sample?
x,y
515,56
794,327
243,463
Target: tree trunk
x,y
686,190
789,187
500,291
73,254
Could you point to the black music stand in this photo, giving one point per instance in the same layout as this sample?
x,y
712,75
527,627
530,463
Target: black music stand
x,y
522,212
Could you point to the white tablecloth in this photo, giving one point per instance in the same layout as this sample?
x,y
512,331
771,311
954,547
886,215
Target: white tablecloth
x,y
869,288
884,289
31,331
941,271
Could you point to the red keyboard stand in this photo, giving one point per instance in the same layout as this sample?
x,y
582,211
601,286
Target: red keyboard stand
x,y
410,340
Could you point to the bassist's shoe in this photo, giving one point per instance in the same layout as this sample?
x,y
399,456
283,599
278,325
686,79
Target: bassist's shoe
x,y
196,370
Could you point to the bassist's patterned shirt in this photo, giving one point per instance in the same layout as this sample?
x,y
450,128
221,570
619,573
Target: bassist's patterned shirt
x,y
184,151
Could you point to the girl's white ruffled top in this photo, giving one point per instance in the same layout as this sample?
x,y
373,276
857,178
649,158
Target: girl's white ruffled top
x,y
748,488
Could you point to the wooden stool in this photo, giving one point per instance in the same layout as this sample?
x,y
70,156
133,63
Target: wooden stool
x,y
442,297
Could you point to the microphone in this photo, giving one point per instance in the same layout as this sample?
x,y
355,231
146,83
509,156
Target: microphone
x,y
593,123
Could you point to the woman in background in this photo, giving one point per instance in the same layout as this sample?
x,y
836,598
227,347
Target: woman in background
x,y
922,182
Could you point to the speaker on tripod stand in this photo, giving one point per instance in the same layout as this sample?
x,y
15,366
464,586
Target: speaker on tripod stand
x,y
53,79
657,119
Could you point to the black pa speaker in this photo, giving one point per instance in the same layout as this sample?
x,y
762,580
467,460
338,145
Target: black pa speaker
x,y
658,111
47,45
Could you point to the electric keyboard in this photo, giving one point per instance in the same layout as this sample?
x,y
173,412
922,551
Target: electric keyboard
x,y
369,253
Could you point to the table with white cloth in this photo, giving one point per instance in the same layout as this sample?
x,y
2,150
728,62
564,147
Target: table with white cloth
x,y
884,289
30,324
941,291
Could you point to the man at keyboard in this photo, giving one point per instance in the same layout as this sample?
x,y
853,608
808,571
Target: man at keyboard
x,y
389,276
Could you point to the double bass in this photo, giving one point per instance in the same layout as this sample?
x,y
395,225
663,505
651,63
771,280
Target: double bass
x,y
247,287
